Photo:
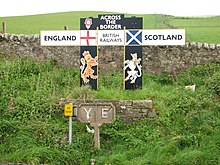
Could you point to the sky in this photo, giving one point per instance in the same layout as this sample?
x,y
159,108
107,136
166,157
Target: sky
x,y
170,7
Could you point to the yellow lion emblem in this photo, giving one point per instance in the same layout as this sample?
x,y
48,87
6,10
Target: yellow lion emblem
x,y
86,68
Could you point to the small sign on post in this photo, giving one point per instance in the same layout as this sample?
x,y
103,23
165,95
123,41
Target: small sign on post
x,y
68,111
96,114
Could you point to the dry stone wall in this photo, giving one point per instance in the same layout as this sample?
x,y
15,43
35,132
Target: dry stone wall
x,y
156,59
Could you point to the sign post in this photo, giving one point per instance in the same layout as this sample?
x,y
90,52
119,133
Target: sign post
x,y
133,53
88,52
96,114
96,134
68,111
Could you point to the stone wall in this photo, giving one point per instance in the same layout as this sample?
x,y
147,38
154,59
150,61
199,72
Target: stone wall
x,y
156,59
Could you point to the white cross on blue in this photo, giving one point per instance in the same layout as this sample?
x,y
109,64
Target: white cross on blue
x,y
133,37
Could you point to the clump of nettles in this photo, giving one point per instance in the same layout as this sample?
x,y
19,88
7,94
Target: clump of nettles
x,y
80,93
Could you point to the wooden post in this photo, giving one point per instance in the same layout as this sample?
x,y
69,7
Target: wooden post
x,y
3,27
96,134
92,161
65,27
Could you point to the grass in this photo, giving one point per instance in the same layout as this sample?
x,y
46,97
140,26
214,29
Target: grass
x,y
33,24
33,129
197,29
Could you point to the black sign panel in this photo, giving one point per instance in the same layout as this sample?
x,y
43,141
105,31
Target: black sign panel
x,y
111,22
134,23
89,23
133,67
88,56
88,66
133,54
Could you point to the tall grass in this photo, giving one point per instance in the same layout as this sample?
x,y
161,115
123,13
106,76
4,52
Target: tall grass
x,y
33,129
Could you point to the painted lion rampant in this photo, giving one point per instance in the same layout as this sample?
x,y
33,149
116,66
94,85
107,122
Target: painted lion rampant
x,y
86,68
132,65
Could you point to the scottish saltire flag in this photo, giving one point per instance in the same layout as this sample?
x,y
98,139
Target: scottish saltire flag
x,y
133,37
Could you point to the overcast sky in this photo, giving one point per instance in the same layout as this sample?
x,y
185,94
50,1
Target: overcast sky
x,y
171,7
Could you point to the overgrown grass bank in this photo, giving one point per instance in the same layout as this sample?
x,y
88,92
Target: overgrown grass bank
x,y
34,130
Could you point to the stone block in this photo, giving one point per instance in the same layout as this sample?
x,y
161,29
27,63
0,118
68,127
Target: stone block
x,y
152,113
143,104
206,45
212,46
144,110
199,45
125,103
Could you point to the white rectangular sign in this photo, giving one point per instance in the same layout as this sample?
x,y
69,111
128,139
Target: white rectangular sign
x,y
163,37
60,38
111,37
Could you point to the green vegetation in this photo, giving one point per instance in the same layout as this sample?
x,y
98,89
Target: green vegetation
x,y
197,29
33,24
34,130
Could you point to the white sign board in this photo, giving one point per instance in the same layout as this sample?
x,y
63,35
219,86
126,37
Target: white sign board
x,y
111,37
60,38
163,37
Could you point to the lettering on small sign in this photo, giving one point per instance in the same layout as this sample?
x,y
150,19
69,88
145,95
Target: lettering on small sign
x,y
88,116
105,113
68,110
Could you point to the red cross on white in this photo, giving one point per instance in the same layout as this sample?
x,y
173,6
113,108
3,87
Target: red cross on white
x,y
88,37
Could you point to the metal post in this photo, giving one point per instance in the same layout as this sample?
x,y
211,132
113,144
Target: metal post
x,y
70,129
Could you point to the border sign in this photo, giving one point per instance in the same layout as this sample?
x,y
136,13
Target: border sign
x,y
114,30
